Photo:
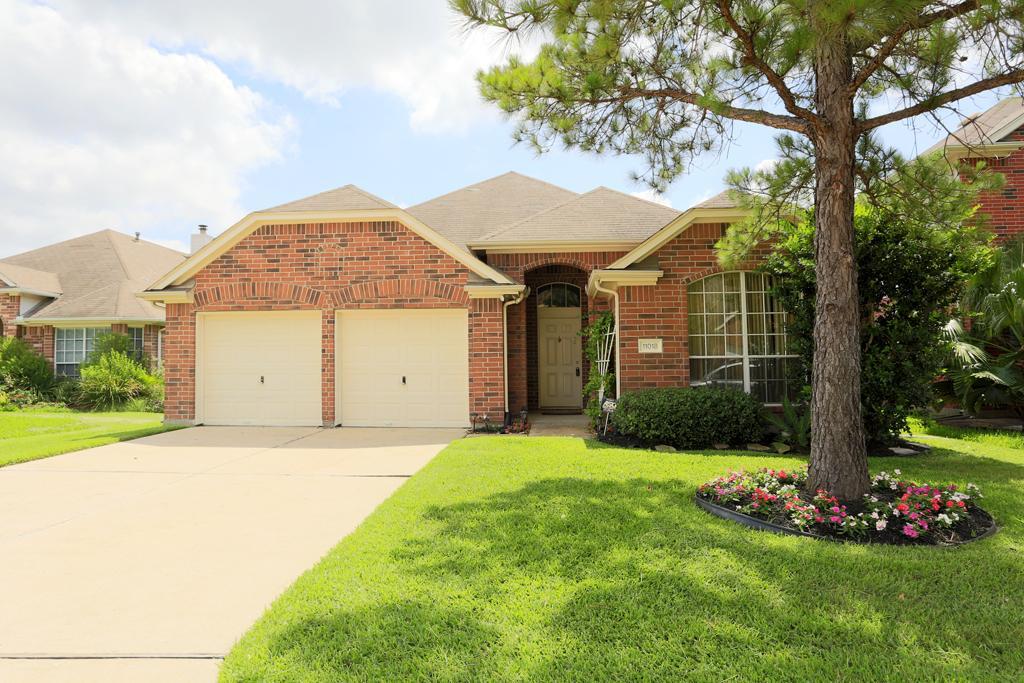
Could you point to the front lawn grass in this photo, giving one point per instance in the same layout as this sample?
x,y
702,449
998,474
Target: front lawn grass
x,y
531,559
33,434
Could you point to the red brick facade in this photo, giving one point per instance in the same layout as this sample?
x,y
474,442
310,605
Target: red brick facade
x,y
1004,207
660,311
9,308
331,266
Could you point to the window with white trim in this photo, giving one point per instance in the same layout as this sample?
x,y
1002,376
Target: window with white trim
x,y
737,335
71,346
558,295
138,339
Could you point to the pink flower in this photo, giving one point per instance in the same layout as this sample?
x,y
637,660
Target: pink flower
x,y
835,519
909,531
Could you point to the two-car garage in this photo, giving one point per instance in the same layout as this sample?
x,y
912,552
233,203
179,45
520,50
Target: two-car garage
x,y
393,368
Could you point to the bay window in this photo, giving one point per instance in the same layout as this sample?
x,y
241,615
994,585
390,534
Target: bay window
x,y
737,335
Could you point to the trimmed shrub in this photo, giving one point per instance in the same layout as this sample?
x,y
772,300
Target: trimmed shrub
x,y
22,369
689,418
113,381
114,342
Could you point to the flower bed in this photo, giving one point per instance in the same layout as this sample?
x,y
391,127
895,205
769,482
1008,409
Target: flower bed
x,y
896,511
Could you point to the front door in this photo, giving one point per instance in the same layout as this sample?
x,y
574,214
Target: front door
x,y
559,350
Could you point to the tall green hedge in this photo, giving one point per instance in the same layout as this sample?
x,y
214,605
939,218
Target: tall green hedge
x,y
689,418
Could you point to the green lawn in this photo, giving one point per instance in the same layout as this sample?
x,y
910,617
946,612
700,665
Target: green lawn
x,y
551,559
30,435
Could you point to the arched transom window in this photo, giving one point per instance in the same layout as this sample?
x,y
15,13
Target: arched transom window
x,y
558,295
738,335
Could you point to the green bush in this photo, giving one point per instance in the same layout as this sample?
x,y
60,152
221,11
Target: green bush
x,y
689,418
22,369
593,336
114,381
114,342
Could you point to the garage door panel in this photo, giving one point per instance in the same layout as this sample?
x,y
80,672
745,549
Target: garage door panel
x,y
378,348
282,348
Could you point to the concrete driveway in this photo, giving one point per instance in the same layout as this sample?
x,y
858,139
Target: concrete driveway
x,y
147,560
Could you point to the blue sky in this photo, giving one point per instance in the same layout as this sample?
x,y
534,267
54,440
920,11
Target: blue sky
x,y
156,116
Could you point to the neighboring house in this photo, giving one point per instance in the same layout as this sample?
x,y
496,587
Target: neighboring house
x,y
342,308
59,298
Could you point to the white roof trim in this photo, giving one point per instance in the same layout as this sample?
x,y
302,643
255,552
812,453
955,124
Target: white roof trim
x,y
493,291
243,228
673,229
613,279
85,322
544,246
986,150
14,290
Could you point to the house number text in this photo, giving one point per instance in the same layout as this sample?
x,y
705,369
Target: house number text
x,y
650,346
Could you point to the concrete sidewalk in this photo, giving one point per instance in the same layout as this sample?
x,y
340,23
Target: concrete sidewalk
x,y
147,560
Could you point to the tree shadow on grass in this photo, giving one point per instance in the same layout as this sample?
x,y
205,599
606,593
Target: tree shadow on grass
x,y
584,579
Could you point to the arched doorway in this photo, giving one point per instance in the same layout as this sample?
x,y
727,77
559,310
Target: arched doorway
x,y
556,311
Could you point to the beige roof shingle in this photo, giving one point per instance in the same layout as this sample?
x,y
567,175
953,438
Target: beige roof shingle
x,y
345,198
722,200
601,215
20,277
984,128
465,215
99,275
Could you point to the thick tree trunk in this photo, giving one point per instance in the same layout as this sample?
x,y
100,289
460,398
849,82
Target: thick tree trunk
x,y
838,454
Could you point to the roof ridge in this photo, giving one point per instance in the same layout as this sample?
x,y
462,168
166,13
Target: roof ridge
x,y
494,233
108,233
491,179
633,196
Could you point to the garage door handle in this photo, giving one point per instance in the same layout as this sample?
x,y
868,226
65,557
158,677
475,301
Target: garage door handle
x,y
403,379
261,379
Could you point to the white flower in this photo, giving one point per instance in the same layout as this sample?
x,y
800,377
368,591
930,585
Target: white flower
x,y
874,514
880,524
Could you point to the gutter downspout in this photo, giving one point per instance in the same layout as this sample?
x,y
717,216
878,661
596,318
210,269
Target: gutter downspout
x,y
615,295
504,326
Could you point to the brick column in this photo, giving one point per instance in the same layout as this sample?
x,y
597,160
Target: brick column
x,y
180,364
10,307
486,354
517,357
150,343
327,368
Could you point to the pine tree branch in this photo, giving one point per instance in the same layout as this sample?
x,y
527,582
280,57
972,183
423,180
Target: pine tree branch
x,y
776,81
893,41
1009,78
728,111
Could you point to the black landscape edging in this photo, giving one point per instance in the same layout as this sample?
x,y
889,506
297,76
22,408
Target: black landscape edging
x,y
763,525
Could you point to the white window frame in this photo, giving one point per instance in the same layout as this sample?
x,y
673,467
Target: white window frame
x,y
139,349
567,285
81,346
745,356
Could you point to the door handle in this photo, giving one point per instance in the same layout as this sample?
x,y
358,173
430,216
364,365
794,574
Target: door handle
x,y
403,379
577,372
261,379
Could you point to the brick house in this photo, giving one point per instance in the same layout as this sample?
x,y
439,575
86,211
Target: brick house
x,y
344,309
59,298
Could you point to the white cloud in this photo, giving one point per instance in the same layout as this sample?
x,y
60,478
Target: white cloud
x,y
99,129
418,51
766,165
652,196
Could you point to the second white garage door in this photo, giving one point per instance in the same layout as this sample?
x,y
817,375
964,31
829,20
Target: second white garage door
x,y
403,368
259,368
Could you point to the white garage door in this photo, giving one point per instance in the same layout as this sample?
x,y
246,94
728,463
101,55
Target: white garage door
x,y
259,368
403,368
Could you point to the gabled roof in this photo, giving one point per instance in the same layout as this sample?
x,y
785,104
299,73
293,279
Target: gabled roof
x,y
722,200
345,198
467,214
29,280
601,215
987,128
98,275
171,280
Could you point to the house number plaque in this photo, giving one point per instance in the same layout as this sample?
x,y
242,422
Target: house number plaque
x,y
650,345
